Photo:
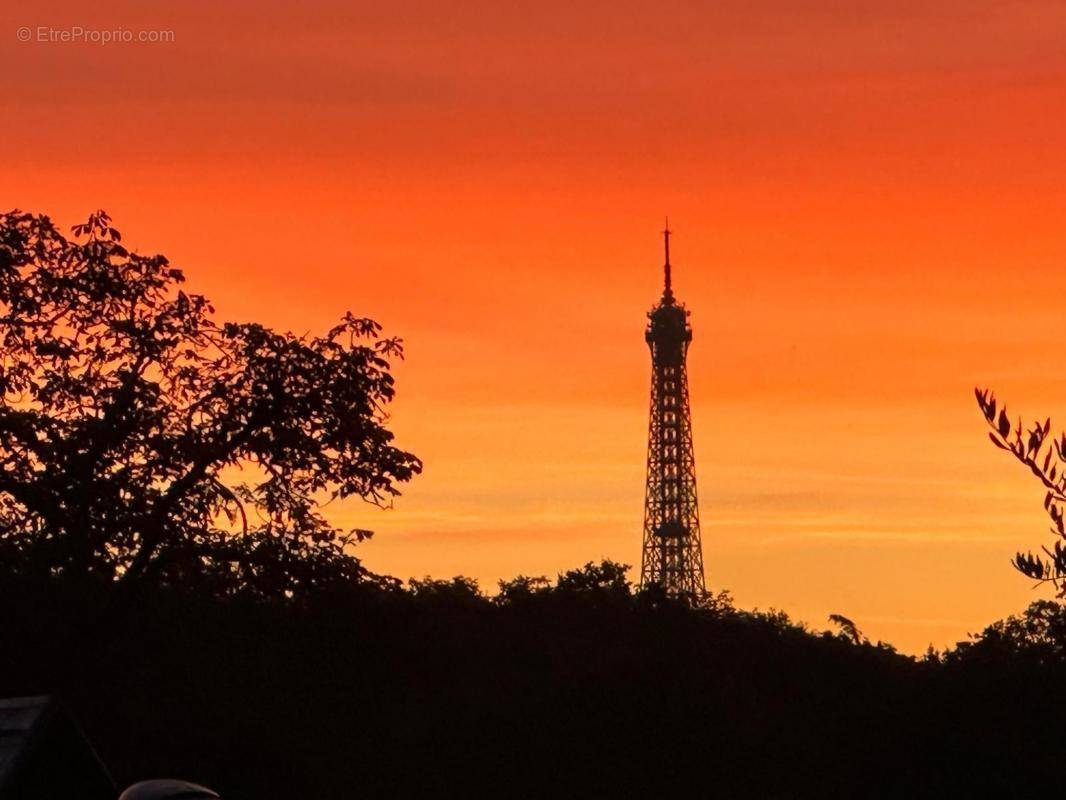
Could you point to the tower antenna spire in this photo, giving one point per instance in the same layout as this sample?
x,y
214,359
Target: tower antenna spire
x,y
666,266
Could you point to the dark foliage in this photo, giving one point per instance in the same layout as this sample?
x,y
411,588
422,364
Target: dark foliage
x,y
567,688
142,441
1045,456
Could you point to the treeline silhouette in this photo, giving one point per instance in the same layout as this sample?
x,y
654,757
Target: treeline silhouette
x,y
167,570
582,687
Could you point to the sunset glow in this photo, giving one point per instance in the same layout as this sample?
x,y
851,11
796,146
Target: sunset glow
x,y
867,203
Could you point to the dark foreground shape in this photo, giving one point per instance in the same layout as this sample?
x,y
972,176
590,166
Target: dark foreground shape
x,y
578,690
44,756
167,790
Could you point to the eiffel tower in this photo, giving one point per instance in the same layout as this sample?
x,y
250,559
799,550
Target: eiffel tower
x,y
672,556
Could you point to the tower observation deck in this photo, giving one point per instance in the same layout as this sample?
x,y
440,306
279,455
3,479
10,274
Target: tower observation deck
x,y
672,556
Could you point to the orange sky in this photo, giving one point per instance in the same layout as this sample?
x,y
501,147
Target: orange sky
x,y
868,203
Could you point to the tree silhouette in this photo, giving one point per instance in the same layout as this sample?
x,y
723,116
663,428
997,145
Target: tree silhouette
x,y
141,440
607,578
522,589
1038,633
1046,458
457,591
848,629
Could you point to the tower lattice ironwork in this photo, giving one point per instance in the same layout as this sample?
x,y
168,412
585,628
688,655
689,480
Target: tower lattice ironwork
x,y
673,556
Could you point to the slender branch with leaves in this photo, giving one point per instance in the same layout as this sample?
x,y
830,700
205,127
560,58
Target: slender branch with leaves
x,y
1045,456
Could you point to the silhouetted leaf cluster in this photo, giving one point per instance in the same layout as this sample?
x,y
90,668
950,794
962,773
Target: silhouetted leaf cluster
x,y
1045,457
848,629
141,440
